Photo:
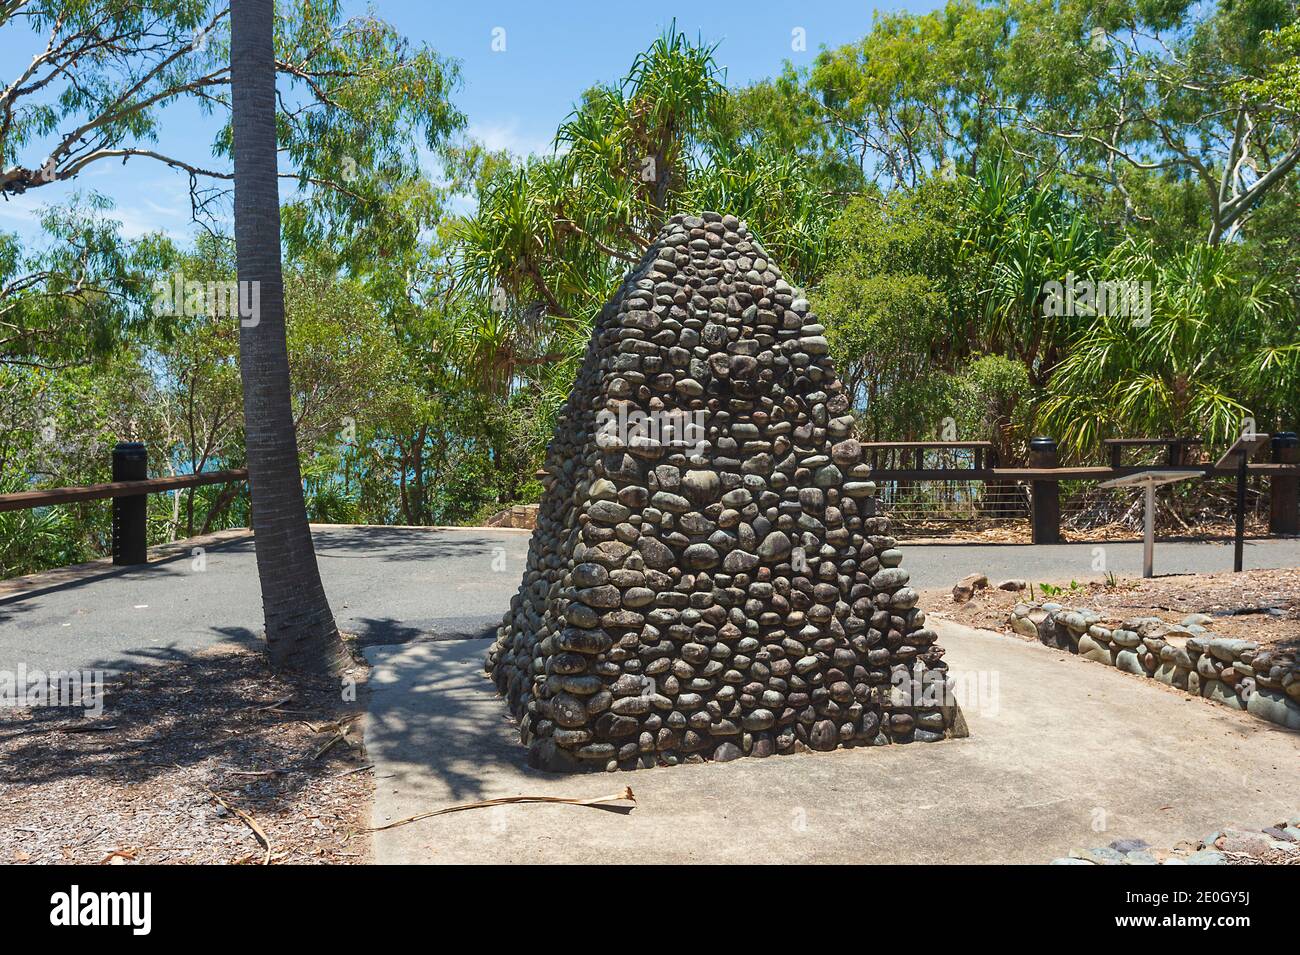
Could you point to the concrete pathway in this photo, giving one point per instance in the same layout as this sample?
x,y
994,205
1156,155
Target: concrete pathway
x,y
1062,753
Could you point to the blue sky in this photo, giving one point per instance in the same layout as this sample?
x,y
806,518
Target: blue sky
x,y
513,99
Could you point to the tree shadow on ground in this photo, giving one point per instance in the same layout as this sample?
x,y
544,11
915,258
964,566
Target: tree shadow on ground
x,y
386,631
438,726
168,566
406,543
186,709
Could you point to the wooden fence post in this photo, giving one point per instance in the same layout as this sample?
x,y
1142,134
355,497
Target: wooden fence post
x,y
130,528
1045,495
1284,489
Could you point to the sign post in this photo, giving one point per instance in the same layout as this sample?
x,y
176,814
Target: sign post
x,y
1245,448
1149,481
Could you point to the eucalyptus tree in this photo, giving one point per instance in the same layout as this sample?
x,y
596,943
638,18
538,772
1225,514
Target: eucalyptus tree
x,y
1177,91
1161,115
891,299
69,300
917,93
104,72
356,100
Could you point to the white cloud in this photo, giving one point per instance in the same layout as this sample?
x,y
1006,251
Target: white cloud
x,y
135,225
18,211
506,134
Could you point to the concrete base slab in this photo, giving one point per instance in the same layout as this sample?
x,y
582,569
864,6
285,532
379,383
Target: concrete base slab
x,y
1062,754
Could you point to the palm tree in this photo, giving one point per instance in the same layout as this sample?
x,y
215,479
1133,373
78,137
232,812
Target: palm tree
x,y
300,629
1219,346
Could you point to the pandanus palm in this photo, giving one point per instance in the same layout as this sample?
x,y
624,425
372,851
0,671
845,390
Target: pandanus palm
x,y
1219,348
300,630
552,238
1019,236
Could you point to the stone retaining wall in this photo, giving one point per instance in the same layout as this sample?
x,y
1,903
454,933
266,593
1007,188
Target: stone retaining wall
x,y
517,515
1235,673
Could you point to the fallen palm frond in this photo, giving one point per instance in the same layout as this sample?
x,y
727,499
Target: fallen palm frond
x,y
354,770
334,726
253,772
330,744
601,802
275,705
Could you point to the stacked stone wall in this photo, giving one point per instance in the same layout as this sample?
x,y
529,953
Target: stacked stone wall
x,y
709,577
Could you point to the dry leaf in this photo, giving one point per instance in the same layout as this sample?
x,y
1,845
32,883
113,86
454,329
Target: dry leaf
x,y
248,821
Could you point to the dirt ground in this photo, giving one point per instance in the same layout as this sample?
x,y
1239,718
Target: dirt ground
x,y
1020,532
1258,605
206,760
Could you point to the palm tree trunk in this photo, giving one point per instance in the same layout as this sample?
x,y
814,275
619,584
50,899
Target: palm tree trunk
x,y
300,629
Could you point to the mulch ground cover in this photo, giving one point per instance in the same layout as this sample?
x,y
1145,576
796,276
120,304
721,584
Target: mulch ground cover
x,y
210,760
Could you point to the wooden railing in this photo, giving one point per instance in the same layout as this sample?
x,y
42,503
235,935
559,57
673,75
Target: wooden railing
x,y
24,500
128,492
1044,475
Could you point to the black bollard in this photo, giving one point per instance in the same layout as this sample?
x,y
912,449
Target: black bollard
x,y
130,530
1045,495
1284,499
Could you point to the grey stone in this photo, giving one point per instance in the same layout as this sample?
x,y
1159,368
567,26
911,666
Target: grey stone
x,y
700,557
774,546
726,752
1100,855
1129,845
608,512
1130,662
1091,650
700,486
589,575
1274,707
1220,692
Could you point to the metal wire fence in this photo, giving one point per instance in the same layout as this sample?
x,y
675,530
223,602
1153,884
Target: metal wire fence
x,y
938,504
955,505
956,502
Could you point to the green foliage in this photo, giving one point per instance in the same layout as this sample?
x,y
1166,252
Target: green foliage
x,y
73,299
884,302
923,186
36,539
1277,82
995,402
917,92
1221,347
108,65
551,238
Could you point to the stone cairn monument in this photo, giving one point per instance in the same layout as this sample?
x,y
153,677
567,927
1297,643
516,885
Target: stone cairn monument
x,y
709,577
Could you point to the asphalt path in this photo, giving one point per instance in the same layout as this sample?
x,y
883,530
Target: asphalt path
x,y
397,585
